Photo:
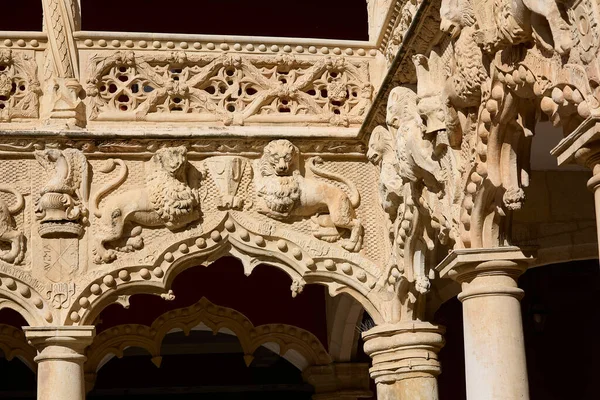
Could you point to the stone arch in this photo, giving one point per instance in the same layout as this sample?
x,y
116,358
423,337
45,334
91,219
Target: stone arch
x,y
25,298
347,313
253,243
13,344
300,347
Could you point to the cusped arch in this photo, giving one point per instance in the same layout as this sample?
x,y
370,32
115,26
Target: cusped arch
x,y
14,344
25,297
305,260
290,341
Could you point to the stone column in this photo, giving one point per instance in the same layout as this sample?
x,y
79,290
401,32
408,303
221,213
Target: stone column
x,y
60,360
339,381
405,359
493,328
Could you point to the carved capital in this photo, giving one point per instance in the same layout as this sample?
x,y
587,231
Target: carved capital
x,y
60,342
403,351
487,272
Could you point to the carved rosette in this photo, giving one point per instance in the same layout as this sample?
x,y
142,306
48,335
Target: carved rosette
x,y
19,86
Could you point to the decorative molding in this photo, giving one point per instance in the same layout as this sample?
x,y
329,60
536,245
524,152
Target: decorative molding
x,y
218,44
145,147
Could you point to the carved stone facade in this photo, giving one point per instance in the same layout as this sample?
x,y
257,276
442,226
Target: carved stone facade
x,y
381,170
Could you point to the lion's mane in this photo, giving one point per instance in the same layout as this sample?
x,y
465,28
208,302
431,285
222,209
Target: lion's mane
x,y
170,195
280,193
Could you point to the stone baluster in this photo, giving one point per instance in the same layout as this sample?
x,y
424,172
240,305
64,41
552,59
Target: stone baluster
x,y
493,328
60,360
405,359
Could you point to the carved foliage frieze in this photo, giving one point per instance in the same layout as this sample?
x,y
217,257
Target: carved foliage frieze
x,y
19,86
230,88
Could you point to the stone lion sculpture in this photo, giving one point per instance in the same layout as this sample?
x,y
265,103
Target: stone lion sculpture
x,y
167,200
8,233
286,193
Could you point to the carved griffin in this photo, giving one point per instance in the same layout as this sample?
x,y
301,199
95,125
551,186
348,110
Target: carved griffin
x,y
286,193
8,233
62,204
167,200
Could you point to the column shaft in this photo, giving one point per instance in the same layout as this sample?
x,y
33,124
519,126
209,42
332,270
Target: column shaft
x,y
493,329
494,344
60,360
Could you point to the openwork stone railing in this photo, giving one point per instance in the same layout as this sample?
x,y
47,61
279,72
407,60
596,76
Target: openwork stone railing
x,y
97,77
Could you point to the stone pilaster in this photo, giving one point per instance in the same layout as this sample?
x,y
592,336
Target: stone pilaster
x,y
339,381
405,359
60,360
493,327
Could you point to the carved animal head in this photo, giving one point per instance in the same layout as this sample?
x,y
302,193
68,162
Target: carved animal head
x,y
381,145
280,158
402,108
456,14
172,160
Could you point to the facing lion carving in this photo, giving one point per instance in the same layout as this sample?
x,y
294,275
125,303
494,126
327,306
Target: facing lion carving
x,y
286,193
167,200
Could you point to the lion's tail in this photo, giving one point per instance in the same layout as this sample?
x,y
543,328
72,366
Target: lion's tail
x,y
108,166
18,206
354,193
